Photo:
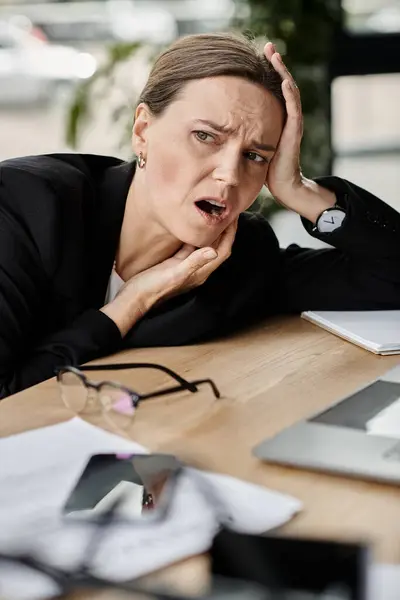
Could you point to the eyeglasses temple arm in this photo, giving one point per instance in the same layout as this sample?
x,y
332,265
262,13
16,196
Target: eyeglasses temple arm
x,y
210,382
179,388
121,366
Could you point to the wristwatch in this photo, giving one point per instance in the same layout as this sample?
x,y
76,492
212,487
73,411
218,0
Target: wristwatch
x,y
330,219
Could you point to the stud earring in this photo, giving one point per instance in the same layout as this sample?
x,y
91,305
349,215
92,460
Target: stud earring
x,y
141,161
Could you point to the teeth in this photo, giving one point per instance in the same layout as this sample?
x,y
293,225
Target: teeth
x,y
215,203
210,206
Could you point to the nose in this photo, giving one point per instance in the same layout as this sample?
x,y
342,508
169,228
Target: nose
x,y
227,169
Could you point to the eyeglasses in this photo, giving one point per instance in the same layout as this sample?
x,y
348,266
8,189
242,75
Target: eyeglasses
x,y
117,402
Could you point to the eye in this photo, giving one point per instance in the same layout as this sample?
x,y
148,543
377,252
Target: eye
x,y
204,136
254,157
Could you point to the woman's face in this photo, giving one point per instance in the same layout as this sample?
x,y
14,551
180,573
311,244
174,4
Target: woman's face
x,y
207,155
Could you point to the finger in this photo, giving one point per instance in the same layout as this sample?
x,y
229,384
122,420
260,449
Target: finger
x,y
223,250
231,228
217,242
284,72
294,123
195,261
184,251
269,50
280,67
227,238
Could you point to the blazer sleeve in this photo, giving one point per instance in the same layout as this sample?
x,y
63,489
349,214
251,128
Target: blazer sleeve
x,y
360,272
25,359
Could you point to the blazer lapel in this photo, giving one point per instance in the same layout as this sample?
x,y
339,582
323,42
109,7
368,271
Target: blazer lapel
x,y
105,230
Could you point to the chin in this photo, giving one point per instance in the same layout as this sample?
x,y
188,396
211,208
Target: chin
x,y
200,239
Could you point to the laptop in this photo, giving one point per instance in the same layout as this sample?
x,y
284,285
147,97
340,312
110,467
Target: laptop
x,y
358,436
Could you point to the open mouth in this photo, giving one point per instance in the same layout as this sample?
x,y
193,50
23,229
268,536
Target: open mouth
x,y
211,207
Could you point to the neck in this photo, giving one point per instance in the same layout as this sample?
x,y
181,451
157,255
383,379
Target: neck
x,y
143,242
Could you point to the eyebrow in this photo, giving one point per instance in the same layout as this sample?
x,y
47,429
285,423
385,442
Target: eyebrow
x,y
224,129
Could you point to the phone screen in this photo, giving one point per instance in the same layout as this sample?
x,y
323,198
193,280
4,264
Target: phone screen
x,y
136,482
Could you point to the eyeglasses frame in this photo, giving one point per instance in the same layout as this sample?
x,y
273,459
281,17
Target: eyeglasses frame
x,y
136,398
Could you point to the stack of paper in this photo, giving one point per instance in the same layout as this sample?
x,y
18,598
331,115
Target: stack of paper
x,y
377,331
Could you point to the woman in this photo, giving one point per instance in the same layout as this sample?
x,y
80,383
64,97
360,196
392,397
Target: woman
x,y
215,122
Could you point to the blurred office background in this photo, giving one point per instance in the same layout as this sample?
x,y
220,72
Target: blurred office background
x,y
51,49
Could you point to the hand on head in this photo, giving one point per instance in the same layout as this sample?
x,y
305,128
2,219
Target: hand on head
x,y
284,174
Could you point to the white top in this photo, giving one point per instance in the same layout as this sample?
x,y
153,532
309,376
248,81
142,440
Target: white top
x,y
115,283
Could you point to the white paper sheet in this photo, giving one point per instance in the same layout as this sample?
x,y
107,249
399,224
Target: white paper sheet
x,y
38,469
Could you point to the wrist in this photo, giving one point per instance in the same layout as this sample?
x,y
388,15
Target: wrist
x,y
126,311
309,199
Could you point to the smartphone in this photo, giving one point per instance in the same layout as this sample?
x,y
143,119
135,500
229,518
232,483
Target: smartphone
x,y
128,483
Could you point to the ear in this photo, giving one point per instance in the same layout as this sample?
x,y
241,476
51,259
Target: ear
x,y
143,119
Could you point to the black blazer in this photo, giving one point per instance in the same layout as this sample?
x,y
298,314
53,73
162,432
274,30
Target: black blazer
x,y
60,220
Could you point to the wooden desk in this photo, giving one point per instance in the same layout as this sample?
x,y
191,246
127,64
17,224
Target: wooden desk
x,y
270,377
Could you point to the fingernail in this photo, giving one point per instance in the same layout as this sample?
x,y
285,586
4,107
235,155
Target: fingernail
x,y
210,253
279,57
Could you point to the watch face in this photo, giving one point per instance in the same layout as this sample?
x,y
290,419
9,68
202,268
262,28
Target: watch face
x,y
330,220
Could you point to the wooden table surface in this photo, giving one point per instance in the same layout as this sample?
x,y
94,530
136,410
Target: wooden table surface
x,y
269,377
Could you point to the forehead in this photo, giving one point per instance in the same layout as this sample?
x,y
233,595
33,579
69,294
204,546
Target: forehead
x,y
232,102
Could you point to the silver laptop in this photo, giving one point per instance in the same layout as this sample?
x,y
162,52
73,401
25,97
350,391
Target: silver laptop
x,y
358,436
